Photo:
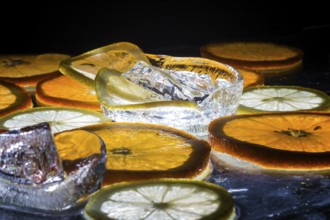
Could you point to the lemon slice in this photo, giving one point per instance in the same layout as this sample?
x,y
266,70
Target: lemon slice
x,y
63,91
282,98
60,119
284,142
26,70
161,199
13,98
119,56
138,151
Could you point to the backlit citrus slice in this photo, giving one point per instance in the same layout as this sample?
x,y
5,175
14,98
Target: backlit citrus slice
x,y
63,91
60,119
265,57
27,70
251,78
285,142
161,199
282,98
143,151
13,98
119,56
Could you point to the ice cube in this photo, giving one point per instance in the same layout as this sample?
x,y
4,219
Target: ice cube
x,y
29,155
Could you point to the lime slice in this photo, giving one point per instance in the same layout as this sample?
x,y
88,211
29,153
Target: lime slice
x,y
282,98
60,119
161,199
119,56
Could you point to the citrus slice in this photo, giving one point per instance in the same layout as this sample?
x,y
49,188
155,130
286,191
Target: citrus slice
x,y
285,142
119,56
60,119
161,199
143,151
282,98
13,98
264,57
27,70
251,78
62,91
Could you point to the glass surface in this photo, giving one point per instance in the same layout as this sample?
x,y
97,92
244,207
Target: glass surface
x,y
212,89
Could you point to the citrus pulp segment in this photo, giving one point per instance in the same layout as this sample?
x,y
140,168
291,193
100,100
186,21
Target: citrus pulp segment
x,y
142,151
287,141
119,56
282,98
60,119
62,91
13,98
161,199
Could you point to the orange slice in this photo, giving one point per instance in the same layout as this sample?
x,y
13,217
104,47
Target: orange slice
x,y
13,98
26,70
138,151
284,142
265,57
63,91
251,78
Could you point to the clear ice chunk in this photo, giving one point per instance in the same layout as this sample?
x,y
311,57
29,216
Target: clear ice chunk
x,y
171,85
29,155
31,150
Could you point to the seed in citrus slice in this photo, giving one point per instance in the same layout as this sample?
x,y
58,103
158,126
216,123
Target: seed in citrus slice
x,y
282,98
138,151
63,91
60,119
264,57
13,98
120,56
161,199
27,70
283,142
251,78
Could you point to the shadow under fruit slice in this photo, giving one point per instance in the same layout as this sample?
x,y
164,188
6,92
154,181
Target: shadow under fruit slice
x,y
13,98
161,199
138,151
283,142
63,91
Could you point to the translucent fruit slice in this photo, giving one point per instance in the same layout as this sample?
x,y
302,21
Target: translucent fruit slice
x,y
63,91
60,119
13,98
119,56
282,98
290,142
161,199
27,70
138,151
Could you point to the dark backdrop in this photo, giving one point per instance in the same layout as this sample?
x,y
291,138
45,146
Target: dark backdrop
x,y
166,27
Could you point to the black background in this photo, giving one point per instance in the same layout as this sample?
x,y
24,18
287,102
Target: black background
x,y
164,27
